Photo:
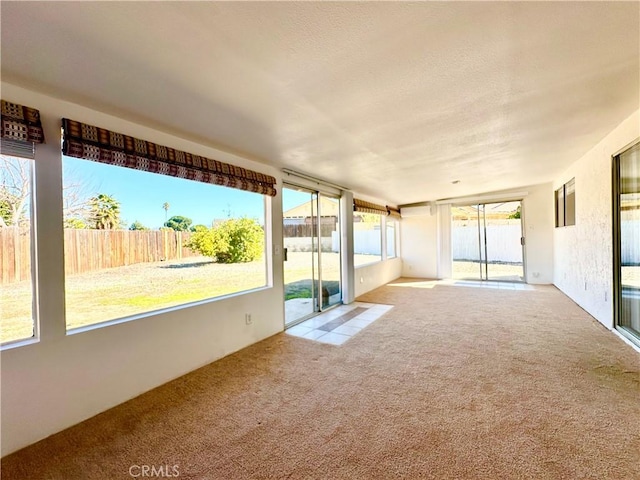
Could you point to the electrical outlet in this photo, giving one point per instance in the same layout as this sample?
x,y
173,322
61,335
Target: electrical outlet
x,y
247,319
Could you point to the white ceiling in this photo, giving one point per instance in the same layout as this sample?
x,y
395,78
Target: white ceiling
x,y
394,100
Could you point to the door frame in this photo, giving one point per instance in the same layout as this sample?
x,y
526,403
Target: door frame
x,y
316,280
482,233
617,244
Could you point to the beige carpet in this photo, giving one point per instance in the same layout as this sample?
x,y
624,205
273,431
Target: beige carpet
x,y
452,383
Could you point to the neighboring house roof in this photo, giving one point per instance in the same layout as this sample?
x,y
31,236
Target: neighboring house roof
x,y
329,207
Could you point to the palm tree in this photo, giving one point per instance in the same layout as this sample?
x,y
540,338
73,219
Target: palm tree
x,y
166,206
105,212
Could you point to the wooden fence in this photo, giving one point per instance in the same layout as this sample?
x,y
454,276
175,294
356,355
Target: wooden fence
x,y
303,230
15,254
89,250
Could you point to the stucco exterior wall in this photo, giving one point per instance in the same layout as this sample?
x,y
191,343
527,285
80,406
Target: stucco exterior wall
x,y
583,253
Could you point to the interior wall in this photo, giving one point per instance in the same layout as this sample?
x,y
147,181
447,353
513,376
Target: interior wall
x,y
538,220
60,380
583,253
369,277
419,243
445,249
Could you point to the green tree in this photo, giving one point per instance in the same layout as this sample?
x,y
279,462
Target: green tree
x,y
6,214
104,212
232,241
75,223
137,226
515,214
165,207
178,223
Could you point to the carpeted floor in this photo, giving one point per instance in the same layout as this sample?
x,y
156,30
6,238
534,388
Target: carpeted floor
x,y
452,383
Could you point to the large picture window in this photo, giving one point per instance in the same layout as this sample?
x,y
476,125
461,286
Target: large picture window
x,y
367,238
16,244
137,241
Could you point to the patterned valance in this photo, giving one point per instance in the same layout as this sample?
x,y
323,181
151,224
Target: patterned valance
x,y
100,145
393,212
21,123
367,207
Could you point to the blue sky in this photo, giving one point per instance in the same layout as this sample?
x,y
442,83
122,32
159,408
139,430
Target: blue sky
x,y
142,194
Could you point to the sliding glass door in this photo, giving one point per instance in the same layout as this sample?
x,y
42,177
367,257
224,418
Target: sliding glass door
x,y
627,242
311,223
329,254
487,241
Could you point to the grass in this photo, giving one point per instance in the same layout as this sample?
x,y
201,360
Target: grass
x,y
120,292
302,289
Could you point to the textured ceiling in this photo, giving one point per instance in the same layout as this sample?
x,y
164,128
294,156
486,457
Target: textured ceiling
x,y
394,100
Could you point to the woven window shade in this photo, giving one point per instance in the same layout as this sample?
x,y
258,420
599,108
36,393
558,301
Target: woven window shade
x,y
367,207
393,212
100,145
21,129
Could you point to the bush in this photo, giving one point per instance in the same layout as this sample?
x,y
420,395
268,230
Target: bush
x,y
232,241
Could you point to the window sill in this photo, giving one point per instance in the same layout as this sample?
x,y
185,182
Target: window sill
x,y
10,345
152,313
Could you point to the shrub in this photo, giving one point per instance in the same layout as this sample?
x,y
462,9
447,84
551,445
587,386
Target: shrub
x,y
202,241
232,241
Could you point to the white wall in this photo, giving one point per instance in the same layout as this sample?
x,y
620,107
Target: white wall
x,y
60,380
538,218
583,253
369,277
445,250
422,231
419,245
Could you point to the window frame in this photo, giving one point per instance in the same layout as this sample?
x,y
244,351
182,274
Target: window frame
x,y
153,310
382,255
617,237
22,155
565,204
